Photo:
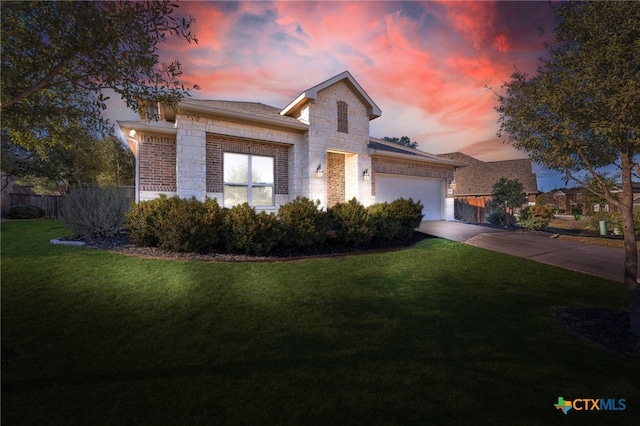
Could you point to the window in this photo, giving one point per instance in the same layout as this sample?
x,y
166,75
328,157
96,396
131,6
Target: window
x,y
343,117
248,179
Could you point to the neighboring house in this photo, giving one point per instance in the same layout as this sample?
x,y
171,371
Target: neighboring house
x,y
318,146
473,184
567,200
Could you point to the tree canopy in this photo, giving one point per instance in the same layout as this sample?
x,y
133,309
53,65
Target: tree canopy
x,y
59,58
581,111
55,169
404,141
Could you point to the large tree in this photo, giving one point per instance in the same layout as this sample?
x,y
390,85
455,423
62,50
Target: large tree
x,y
59,58
581,111
56,169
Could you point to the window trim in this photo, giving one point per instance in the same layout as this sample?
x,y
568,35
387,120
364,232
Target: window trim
x,y
249,185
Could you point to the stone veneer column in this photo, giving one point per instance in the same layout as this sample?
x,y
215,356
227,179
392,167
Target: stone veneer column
x,y
191,161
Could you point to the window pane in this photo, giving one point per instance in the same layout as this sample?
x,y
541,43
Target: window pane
x,y
234,195
262,195
262,170
236,168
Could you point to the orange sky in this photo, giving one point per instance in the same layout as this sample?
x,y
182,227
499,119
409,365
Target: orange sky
x,y
425,64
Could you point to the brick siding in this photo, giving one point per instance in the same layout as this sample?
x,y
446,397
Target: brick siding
x,y
407,168
335,178
157,159
218,144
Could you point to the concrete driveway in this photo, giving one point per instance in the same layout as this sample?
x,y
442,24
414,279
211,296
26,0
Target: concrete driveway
x,y
595,260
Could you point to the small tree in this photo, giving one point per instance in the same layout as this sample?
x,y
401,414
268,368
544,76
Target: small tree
x,y
507,196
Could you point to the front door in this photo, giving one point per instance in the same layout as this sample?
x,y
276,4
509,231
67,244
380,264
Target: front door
x,y
335,178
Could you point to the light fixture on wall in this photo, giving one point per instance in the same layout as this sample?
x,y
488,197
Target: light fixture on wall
x,y
366,175
452,184
132,132
319,171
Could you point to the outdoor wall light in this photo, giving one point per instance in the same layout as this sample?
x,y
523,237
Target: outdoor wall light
x,y
319,171
366,175
452,184
132,132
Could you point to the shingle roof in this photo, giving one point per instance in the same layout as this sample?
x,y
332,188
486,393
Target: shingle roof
x,y
479,176
256,109
379,146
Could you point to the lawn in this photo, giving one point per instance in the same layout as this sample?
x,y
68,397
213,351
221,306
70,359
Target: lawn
x,y
442,333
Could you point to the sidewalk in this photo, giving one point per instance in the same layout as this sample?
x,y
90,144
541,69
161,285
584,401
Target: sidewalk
x,y
604,262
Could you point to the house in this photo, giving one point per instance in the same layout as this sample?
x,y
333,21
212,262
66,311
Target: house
x,y
567,200
318,146
473,184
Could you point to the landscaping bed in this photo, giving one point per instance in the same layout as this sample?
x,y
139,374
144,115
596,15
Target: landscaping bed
x,y
332,247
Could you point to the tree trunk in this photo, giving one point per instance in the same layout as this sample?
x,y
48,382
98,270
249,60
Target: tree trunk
x,y
630,247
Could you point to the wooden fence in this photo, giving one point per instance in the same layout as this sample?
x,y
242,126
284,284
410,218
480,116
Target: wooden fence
x,y
51,204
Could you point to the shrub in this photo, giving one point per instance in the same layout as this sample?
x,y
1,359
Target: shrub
x,y
613,220
408,214
190,225
176,224
381,221
302,223
497,218
535,217
26,212
143,221
351,222
249,232
92,211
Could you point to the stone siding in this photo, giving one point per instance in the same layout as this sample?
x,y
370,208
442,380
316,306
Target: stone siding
x,y
323,136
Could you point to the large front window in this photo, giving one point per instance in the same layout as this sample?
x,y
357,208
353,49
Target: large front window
x,y
248,179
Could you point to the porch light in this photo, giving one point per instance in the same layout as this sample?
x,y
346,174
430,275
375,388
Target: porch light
x,y
319,171
132,132
366,175
452,184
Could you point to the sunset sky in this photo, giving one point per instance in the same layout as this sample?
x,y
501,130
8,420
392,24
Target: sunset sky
x,y
425,64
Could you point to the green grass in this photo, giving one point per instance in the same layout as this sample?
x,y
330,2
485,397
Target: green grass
x,y
443,333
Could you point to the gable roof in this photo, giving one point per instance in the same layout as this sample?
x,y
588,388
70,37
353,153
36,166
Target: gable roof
x,y
479,176
390,149
243,111
312,93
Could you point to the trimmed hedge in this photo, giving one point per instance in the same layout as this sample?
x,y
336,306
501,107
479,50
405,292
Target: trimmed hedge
x,y
191,225
352,222
302,223
176,224
26,212
249,232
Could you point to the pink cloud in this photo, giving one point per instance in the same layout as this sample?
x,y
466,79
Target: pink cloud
x,y
432,59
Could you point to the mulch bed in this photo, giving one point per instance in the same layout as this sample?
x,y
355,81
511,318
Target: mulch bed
x,y
120,244
604,327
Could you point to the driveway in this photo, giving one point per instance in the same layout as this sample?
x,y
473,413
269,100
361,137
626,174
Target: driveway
x,y
604,262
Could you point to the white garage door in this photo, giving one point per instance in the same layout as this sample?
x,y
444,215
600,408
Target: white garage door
x,y
428,191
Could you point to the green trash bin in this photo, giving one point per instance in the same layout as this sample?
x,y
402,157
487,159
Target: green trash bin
x,y
603,227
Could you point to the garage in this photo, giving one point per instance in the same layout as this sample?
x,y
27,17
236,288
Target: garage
x,y
429,191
